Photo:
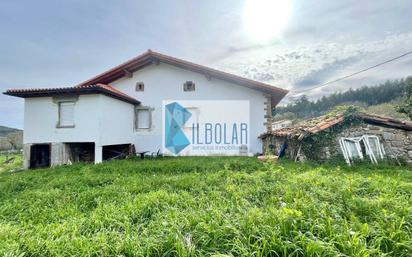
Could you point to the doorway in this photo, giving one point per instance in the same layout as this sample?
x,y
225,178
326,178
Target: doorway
x,y
81,152
112,152
39,156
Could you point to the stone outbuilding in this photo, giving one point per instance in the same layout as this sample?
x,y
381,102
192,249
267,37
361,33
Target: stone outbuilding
x,y
318,139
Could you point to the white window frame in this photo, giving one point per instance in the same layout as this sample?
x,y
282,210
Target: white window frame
x,y
59,124
366,139
379,151
143,108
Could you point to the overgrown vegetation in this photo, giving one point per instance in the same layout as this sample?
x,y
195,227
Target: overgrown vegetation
x,y
406,106
312,145
206,206
388,110
365,96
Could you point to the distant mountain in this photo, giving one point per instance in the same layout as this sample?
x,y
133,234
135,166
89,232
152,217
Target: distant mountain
x,y
10,138
6,130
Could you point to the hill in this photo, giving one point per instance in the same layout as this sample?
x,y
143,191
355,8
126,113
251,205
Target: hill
x,y
10,138
210,206
4,131
389,92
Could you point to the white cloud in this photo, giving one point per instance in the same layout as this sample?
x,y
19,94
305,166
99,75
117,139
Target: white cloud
x,y
43,45
299,66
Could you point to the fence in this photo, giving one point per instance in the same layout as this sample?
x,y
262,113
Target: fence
x,y
10,152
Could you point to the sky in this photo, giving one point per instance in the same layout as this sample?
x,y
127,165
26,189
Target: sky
x,y
295,44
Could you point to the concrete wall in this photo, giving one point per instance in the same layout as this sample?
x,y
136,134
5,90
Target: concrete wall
x,y
165,82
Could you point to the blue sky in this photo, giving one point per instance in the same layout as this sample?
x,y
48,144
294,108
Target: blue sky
x,y
61,43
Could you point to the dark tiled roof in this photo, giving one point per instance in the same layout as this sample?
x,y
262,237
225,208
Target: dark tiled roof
x,y
91,89
319,124
150,57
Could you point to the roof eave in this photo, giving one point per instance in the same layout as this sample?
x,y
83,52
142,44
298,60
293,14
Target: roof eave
x,y
69,91
386,121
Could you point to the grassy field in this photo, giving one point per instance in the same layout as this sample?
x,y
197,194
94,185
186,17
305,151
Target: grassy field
x,y
206,206
17,163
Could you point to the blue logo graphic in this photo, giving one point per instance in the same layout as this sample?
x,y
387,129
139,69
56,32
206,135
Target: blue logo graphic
x,y
175,117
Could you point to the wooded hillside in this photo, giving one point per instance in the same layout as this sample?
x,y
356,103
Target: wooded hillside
x,y
388,93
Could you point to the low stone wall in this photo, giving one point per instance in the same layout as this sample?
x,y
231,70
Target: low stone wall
x,y
396,142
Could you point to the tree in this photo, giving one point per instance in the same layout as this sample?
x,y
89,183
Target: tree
x,y
364,96
285,116
406,106
16,140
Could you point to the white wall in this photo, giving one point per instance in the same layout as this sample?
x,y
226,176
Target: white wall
x,y
116,121
97,118
165,82
41,117
108,121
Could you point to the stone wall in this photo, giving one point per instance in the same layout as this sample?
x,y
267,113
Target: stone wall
x,y
272,145
268,112
396,142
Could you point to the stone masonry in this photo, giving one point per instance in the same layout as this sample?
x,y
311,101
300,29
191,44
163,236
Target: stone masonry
x,y
397,143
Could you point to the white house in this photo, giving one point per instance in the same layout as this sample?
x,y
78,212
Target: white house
x,y
127,107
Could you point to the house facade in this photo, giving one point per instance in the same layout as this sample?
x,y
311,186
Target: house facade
x,y
126,109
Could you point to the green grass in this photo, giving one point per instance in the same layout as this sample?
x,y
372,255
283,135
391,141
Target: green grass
x,y
16,164
206,206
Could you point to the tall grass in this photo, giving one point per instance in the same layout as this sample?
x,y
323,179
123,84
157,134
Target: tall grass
x,y
17,163
204,207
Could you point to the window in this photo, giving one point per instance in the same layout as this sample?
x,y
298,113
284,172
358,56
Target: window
x,y
189,86
66,115
375,146
357,147
143,118
139,86
354,149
